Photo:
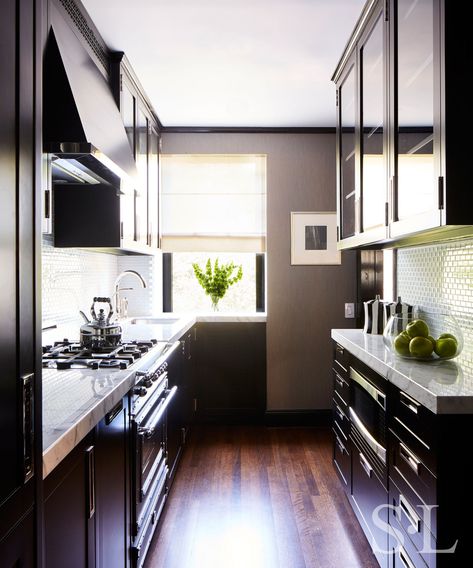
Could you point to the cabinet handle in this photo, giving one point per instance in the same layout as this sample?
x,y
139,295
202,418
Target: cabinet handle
x,y
90,456
409,402
339,349
440,192
340,445
340,382
28,425
409,457
365,465
339,412
405,560
408,510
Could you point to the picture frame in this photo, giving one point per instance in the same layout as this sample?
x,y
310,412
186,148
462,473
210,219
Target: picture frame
x,y
314,238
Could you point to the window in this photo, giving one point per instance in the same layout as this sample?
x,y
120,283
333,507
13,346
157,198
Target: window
x,y
214,206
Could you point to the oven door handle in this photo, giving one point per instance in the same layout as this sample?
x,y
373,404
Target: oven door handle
x,y
148,431
375,393
370,440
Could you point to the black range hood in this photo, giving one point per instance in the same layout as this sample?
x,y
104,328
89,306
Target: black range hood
x,y
82,127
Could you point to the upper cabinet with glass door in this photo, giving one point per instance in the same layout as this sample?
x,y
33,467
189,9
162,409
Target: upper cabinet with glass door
x,y
416,144
411,176
361,95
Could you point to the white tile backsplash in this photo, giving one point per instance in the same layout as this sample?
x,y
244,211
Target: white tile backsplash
x,y
72,277
440,276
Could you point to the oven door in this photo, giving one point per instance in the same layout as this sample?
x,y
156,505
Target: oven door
x,y
149,434
368,412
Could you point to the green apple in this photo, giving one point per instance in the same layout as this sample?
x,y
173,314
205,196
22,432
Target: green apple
x,y
433,341
417,328
401,344
420,347
448,336
446,347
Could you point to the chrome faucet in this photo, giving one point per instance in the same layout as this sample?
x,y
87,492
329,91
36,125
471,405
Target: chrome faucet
x,y
121,305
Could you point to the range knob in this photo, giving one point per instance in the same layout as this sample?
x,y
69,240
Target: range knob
x,y
140,391
146,381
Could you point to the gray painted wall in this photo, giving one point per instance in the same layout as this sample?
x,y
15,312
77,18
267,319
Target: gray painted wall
x,y
303,302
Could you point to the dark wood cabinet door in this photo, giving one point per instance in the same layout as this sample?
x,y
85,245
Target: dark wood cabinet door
x,y
69,511
113,489
231,371
16,549
18,231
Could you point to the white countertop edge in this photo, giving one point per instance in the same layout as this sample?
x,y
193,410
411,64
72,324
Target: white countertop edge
x,y
61,447
437,403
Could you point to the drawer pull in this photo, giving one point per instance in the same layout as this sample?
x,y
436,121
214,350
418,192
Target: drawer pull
x,y
405,560
341,447
340,382
339,412
409,457
365,465
340,349
411,515
409,402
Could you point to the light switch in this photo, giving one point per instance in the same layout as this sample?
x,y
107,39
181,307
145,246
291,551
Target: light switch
x,y
349,311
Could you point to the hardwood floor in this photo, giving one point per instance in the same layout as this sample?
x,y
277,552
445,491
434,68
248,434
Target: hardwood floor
x,y
256,497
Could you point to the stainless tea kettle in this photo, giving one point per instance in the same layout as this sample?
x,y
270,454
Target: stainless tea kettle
x,y
100,332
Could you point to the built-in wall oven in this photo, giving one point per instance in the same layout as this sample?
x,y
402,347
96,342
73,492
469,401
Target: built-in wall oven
x,y
151,399
368,435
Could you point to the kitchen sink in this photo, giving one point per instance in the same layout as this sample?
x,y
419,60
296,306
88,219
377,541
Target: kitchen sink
x,y
155,321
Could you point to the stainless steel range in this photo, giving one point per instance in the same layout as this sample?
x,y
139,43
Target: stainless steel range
x,y
149,403
72,355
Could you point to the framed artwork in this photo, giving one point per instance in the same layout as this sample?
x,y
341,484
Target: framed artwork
x,y
314,238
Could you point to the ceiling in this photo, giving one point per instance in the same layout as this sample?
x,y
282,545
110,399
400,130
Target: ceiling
x,y
238,63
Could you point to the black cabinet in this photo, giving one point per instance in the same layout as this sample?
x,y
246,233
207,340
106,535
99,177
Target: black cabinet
x,y
413,506
139,201
181,412
231,371
20,389
69,510
112,482
402,167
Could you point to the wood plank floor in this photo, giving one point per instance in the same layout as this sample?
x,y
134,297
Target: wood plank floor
x,y
256,497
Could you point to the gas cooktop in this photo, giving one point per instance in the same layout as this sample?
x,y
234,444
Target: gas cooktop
x,y
72,355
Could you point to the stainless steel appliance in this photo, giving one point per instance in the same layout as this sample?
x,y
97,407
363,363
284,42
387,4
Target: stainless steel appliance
x,y
67,354
150,402
101,331
368,435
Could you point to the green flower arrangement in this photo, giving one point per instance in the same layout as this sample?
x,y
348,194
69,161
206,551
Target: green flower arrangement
x,y
216,281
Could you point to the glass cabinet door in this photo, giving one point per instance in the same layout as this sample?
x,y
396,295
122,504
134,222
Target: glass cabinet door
x,y
372,127
417,192
141,192
127,205
153,189
347,139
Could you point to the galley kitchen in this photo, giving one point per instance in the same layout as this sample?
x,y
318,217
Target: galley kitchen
x,y
236,273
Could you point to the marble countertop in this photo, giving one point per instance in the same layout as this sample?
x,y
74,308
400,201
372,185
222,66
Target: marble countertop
x,y
75,400
444,387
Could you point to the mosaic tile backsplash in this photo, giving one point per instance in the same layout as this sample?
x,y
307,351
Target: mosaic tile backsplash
x,y
440,277
72,277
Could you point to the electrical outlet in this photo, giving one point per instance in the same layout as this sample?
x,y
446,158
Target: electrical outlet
x,y
349,311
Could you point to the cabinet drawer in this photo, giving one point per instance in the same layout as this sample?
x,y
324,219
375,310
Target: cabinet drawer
x,y
341,388
368,493
407,464
342,461
340,419
409,416
341,359
403,553
410,516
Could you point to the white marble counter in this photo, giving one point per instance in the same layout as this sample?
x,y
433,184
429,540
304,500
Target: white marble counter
x,y
75,400
445,387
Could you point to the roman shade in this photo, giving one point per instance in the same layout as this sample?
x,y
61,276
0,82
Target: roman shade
x,y
213,202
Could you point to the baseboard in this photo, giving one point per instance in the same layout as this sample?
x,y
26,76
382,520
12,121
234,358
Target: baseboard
x,y
321,418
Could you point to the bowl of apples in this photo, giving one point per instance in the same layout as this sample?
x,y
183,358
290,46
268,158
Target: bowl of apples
x,y
423,337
